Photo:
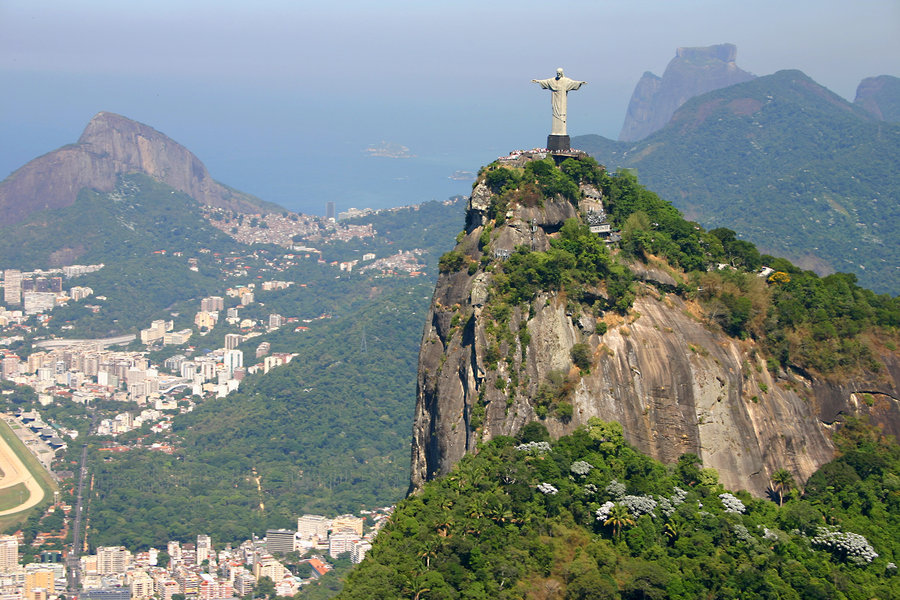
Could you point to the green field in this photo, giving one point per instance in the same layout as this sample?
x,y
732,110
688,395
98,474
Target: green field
x,y
13,496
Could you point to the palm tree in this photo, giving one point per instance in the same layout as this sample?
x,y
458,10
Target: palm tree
x,y
782,482
671,531
618,518
428,552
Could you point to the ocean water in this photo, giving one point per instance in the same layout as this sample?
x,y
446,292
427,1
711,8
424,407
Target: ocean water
x,y
285,147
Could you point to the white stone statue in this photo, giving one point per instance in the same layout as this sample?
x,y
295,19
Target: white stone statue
x,y
560,86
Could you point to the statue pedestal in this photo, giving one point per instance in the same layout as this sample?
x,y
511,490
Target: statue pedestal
x,y
558,143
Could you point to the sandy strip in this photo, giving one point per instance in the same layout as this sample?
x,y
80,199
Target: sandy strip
x,y
15,472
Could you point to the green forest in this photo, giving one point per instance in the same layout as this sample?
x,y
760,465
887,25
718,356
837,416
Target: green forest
x,y
589,517
793,167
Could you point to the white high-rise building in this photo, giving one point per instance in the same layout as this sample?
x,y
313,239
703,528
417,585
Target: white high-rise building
x,y
9,552
359,550
112,559
340,542
233,359
313,526
12,287
204,547
173,549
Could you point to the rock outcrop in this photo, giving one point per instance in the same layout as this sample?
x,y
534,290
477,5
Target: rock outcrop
x,y
880,96
675,383
692,72
112,145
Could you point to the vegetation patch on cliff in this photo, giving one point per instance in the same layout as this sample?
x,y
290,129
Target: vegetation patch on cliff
x,y
587,516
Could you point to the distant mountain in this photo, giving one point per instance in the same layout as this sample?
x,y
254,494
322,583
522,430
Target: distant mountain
x,y
139,216
692,72
881,97
112,145
788,164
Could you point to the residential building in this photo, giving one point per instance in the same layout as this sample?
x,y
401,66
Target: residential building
x,y
206,319
9,552
279,541
188,582
275,321
212,303
348,522
359,550
267,566
313,526
244,582
233,340
156,332
165,587
12,287
233,359
173,549
204,546
39,578
177,338
141,586
113,559
212,588
38,302
340,542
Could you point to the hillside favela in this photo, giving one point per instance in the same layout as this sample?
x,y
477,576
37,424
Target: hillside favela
x,y
451,346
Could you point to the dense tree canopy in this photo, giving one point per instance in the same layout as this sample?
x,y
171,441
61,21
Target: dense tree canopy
x,y
589,517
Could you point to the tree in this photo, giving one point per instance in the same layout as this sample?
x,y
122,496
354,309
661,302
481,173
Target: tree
x,y
265,587
618,518
581,356
782,482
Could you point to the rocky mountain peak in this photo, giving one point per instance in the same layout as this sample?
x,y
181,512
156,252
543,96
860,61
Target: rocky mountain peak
x,y
720,52
693,71
112,145
488,365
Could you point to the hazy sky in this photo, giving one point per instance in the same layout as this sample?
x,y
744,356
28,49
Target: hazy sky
x,y
281,98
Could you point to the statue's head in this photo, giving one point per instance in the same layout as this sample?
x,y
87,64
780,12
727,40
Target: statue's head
x,y
559,73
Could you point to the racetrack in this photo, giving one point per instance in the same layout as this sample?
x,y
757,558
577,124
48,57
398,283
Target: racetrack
x,y
14,473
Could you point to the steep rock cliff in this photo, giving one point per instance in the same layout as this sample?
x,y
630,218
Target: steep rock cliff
x,y
692,72
880,96
112,145
675,383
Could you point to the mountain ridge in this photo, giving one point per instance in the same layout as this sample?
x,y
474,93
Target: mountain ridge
x,y
779,145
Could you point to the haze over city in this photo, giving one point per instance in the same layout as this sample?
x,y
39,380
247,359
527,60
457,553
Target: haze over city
x,y
282,99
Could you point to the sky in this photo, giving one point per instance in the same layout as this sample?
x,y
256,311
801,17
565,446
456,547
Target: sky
x,y
281,98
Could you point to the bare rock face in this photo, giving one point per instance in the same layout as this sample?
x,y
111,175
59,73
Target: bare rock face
x,y
692,72
675,383
111,145
880,96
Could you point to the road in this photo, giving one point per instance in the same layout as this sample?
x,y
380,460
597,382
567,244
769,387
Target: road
x,y
73,572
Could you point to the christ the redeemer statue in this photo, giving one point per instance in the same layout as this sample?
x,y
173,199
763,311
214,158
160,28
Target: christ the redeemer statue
x,y
558,140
